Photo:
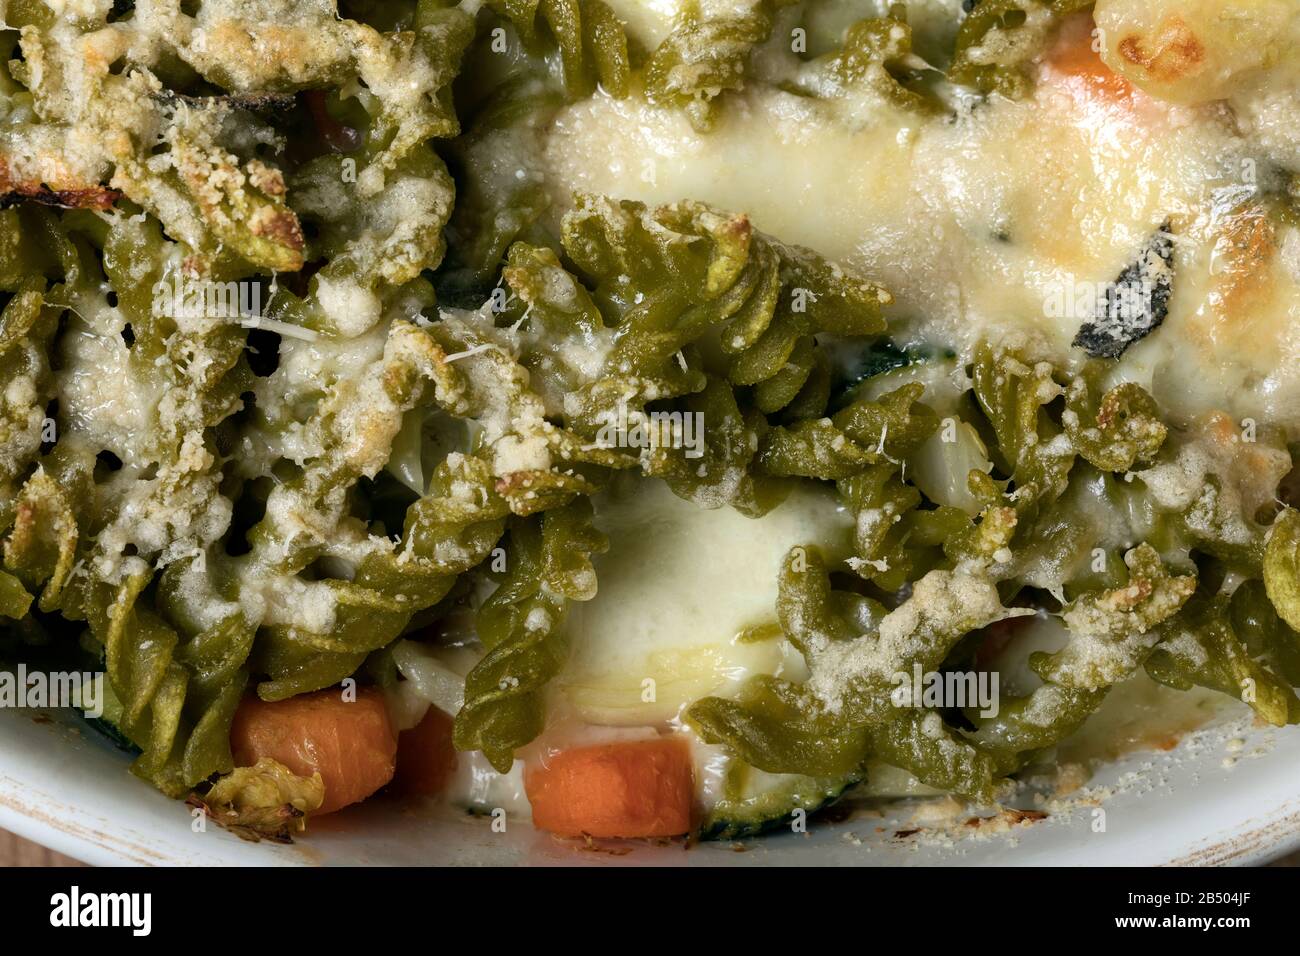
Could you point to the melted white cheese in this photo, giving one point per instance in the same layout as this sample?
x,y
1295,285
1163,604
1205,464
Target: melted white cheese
x,y
647,21
677,588
977,225
101,397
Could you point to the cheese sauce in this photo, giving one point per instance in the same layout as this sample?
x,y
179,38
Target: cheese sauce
x,y
1000,222
684,593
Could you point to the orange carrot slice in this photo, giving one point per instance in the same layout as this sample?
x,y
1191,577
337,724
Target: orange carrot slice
x,y
639,788
350,743
425,755
1073,55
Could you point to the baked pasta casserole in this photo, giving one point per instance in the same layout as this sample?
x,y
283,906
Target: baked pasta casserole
x,y
650,418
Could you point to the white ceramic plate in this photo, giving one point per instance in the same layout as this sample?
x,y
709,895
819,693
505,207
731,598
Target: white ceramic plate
x,y
1229,794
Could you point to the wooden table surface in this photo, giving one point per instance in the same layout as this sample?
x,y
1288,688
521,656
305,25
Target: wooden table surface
x,y
18,852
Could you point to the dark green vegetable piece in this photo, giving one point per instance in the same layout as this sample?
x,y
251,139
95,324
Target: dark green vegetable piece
x,y
1136,303
753,803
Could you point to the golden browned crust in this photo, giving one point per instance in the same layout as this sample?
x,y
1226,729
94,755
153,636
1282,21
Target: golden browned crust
x,y
66,194
1175,51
